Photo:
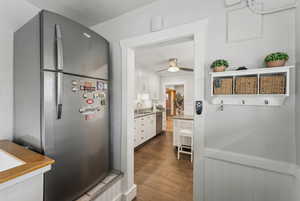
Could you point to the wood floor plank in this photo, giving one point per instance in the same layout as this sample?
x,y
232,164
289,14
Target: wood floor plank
x,y
159,175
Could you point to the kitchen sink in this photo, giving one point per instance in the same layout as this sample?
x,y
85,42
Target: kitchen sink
x,y
8,161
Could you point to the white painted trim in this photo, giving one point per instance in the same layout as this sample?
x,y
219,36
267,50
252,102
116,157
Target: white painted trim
x,y
297,172
118,197
183,31
131,194
253,161
252,71
297,184
25,177
200,40
197,32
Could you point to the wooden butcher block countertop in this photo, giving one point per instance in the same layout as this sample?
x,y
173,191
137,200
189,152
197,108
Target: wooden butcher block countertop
x,y
33,161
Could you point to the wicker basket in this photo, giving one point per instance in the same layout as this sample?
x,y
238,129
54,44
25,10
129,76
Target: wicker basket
x,y
273,84
223,86
246,85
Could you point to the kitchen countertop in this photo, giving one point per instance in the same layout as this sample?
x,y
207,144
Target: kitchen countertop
x,y
184,117
145,114
33,161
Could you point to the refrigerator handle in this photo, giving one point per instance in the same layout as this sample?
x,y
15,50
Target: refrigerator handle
x,y
59,49
59,94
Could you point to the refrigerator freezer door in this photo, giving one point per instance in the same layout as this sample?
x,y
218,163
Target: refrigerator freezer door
x,y
79,141
82,51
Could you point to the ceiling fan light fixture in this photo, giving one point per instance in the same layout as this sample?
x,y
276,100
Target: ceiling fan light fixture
x,y
173,69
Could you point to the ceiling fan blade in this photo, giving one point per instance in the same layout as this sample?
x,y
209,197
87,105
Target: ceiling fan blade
x,y
186,69
162,70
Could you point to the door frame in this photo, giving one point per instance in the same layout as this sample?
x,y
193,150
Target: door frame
x,y
197,32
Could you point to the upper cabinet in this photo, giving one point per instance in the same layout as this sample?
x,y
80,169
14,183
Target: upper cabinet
x,y
147,82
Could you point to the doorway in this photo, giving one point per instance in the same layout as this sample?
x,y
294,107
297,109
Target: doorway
x,y
195,32
160,93
174,102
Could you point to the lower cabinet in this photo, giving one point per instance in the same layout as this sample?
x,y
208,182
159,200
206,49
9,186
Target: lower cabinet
x,y
145,129
28,187
164,123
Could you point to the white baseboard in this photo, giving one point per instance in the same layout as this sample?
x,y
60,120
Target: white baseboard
x,y
253,161
130,194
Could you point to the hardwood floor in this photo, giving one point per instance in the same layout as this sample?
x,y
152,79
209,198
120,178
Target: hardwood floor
x,y
159,175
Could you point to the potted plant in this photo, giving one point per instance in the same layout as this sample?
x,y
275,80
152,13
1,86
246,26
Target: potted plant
x,y
219,65
179,103
276,59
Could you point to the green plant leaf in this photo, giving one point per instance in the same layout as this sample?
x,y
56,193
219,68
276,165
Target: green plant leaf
x,y
220,62
277,56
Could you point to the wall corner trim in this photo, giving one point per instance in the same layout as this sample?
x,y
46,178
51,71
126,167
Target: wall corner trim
x,y
130,194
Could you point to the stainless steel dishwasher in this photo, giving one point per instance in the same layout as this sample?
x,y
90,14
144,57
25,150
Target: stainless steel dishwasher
x,y
159,117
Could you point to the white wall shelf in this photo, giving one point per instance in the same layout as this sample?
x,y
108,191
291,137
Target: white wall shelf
x,y
251,99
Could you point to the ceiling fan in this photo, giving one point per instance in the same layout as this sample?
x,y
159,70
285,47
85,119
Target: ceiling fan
x,y
173,67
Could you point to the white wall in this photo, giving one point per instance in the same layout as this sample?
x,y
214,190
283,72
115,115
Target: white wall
x,y
266,132
261,131
188,81
297,101
298,84
6,83
13,13
233,182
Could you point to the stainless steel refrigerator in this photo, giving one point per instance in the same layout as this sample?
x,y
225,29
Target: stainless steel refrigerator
x,y
61,101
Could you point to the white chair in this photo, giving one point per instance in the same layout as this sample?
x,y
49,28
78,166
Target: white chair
x,y
185,139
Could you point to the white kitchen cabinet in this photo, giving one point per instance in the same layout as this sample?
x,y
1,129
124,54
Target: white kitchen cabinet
x,y
154,87
23,189
147,82
164,122
145,129
151,126
136,132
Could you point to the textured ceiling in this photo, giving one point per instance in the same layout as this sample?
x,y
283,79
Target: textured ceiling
x,y
15,13
156,58
90,12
